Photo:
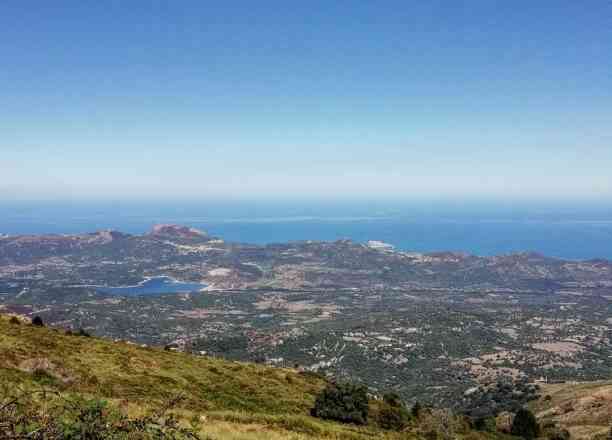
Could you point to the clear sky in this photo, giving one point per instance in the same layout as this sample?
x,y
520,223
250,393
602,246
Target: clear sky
x,y
197,99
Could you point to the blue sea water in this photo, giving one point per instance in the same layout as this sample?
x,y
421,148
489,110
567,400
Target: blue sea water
x,y
153,286
576,230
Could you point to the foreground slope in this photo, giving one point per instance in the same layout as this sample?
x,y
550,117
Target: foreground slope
x,y
233,400
584,409
126,371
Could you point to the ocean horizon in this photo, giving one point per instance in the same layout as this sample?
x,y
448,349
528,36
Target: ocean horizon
x,y
569,231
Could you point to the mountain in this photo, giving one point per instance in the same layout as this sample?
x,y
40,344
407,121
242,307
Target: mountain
x,y
177,232
189,254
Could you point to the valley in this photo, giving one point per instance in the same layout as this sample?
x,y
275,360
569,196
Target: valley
x,y
437,328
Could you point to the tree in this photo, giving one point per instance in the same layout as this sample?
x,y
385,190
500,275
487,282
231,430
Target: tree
x,y
393,413
343,402
525,425
37,322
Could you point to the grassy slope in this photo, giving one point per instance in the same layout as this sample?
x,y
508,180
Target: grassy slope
x,y
121,370
585,409
239,401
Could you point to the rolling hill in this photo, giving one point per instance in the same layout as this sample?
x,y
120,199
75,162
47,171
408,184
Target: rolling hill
x,y
222,399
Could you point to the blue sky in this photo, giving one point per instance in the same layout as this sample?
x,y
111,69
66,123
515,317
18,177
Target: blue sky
x,y
197,99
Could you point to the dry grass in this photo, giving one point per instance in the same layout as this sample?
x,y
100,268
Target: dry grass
x,y
232,400
124,371
584,409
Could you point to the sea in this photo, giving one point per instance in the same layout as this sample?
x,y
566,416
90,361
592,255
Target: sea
x,y
570,230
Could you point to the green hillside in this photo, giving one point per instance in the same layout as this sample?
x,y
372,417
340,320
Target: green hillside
x,y
217,398
124,371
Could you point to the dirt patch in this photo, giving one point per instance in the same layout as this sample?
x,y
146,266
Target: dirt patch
x,y
560,348
220,272
45,366
583,409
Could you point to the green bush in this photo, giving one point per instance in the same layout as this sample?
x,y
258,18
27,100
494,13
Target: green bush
x,y
393,415
83,332
525,425
43,377
46,415
484,424
342,402
393,399
91,421
393,418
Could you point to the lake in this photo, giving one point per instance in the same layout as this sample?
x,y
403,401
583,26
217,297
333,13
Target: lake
x,y
153,286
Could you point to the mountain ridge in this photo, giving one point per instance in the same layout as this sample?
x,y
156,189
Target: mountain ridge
x,y
303,264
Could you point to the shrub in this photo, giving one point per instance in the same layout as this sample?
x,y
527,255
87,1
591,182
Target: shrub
x,y
83,332
43,377
394,418
37,322
439,422
80,332
525,425
393,399
393,415
14,320
342,402
25,416
484,424
91,422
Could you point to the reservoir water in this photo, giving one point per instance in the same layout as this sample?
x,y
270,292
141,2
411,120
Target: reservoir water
x,y
154,286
